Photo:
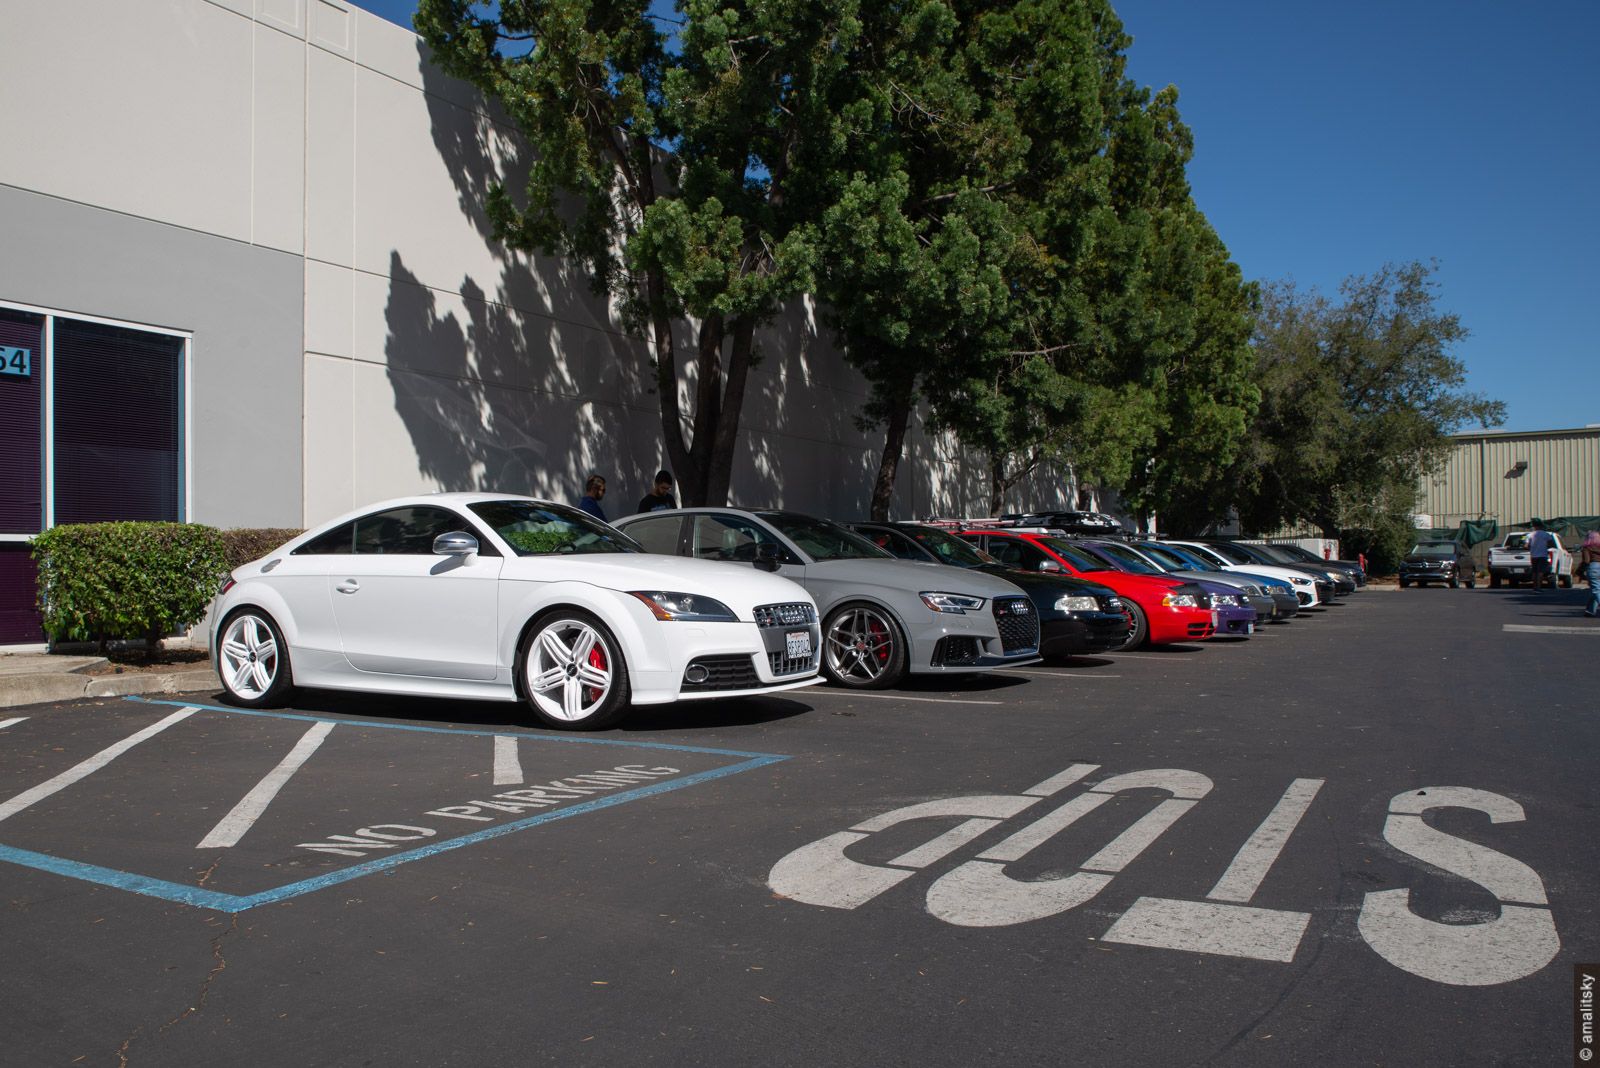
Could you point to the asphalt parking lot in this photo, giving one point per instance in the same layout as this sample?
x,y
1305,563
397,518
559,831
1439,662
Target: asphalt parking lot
x,y
1365,837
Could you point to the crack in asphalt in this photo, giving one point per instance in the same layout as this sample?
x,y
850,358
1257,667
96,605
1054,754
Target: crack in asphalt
x,y
220,964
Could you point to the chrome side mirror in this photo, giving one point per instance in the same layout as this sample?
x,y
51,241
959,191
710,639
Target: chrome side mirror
x,y
455,543
1049,565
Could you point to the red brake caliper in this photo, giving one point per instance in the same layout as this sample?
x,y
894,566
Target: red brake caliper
x,y
880,641
597,659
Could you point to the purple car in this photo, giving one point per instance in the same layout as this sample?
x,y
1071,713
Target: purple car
x,y
1233,615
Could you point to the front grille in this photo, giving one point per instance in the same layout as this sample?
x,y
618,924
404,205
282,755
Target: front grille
x,y
1018,623
784,665
794,614
1250,591
1199,630
726,672
956,650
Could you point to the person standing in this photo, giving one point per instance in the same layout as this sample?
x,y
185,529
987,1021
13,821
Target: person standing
x,y
1589,568
1540,546
594,491
660,495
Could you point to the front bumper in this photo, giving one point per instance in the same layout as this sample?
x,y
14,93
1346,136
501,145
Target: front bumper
x,y
1288,605
1083,632
973,641
1235,621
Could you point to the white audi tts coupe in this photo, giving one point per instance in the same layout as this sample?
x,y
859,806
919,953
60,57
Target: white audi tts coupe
x,y
499,597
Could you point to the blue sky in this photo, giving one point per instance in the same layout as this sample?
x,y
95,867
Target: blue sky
x,y
1331,139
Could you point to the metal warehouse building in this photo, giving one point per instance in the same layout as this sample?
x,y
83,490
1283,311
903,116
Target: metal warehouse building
x,y
1512,476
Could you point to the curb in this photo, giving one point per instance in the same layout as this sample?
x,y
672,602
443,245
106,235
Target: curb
x,y
41,689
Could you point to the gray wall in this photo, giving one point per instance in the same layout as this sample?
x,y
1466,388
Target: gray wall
x,y
243,304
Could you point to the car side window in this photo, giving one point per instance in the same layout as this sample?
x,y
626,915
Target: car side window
x,y
659,536
340,541
732,538
409,531
1032,556
1006,550
895,542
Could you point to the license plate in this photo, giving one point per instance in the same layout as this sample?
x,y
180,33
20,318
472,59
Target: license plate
x,y
1517,570
797,644
1214,622
1250,628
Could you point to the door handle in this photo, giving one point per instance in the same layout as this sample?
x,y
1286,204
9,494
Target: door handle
x,y
348,586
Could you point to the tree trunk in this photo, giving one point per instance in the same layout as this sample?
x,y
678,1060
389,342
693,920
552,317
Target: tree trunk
x,y
998,483
719,468
894,440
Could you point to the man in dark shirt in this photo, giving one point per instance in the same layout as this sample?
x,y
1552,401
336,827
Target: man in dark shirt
x,y
661,496
594,492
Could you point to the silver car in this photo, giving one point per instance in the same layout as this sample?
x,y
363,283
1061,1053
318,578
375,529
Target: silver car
x,y
881,617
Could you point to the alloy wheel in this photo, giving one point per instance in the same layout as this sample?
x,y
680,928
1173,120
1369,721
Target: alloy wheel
x,y
860,645
570,670
249,657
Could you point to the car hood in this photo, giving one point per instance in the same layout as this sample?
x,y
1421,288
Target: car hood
x,y
1046,580
739,586
913,576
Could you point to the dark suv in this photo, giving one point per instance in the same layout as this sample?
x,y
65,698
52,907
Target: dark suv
x,y
1438,561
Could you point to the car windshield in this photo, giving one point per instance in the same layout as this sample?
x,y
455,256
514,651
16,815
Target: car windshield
x,y
1126,559
1076,555
533,528
1433,548
1278,553
823,540
1231,552
1177,559
947,547
1300,554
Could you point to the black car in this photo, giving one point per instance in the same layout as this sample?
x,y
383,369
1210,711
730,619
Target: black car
x,y
1074,616
1438,561
1096,523
1299,554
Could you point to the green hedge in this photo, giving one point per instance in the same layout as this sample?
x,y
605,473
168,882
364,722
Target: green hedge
x,y
103,581
244,544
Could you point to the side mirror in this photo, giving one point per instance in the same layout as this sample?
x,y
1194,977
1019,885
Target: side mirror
x,y
767,556
455,543
1049,565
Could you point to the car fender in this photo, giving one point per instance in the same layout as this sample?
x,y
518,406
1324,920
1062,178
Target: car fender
x,y
623,615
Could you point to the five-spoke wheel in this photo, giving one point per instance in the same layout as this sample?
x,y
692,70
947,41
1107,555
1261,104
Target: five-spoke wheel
x,y
253,659
572,672
862,647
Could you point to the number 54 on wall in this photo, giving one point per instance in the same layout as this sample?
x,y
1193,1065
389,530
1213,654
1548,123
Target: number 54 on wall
x,y
15,361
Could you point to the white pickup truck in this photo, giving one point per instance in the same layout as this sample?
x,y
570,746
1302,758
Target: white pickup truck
x,y
1508,561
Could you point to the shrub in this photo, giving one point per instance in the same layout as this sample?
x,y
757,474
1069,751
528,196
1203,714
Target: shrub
x,y
244,544
100,581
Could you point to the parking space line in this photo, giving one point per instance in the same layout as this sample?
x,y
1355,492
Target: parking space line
x,y
1057,674
232,827
507,766
903,697
90,766
1525,628
4,723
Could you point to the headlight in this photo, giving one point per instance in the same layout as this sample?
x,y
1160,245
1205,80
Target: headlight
x,y
958,603
1070,603
1225,598
685,607
1180,600
1302,581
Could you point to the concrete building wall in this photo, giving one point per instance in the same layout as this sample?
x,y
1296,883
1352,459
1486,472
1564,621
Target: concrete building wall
x,y
293,182
1512,477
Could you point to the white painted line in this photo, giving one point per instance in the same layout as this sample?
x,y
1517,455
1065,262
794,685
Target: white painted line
x,y
232,827
1203,927
1250,865
902,697
90,766
507,765
1058,674
1521,628
1048,826
4,723
1061,780
1126,847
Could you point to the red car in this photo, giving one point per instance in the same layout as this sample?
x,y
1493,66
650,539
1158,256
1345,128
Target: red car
x,y
1165,610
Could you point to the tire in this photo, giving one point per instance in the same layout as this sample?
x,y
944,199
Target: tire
x,y
863,648
253,659
571,672
1566,582
1404,583
1455,583
1140,632
1494,581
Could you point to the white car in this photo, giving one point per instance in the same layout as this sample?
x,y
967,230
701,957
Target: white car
x,y
500,597
1303,585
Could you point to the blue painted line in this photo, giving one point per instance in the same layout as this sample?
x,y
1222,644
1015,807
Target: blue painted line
x,y
573,738
234,903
